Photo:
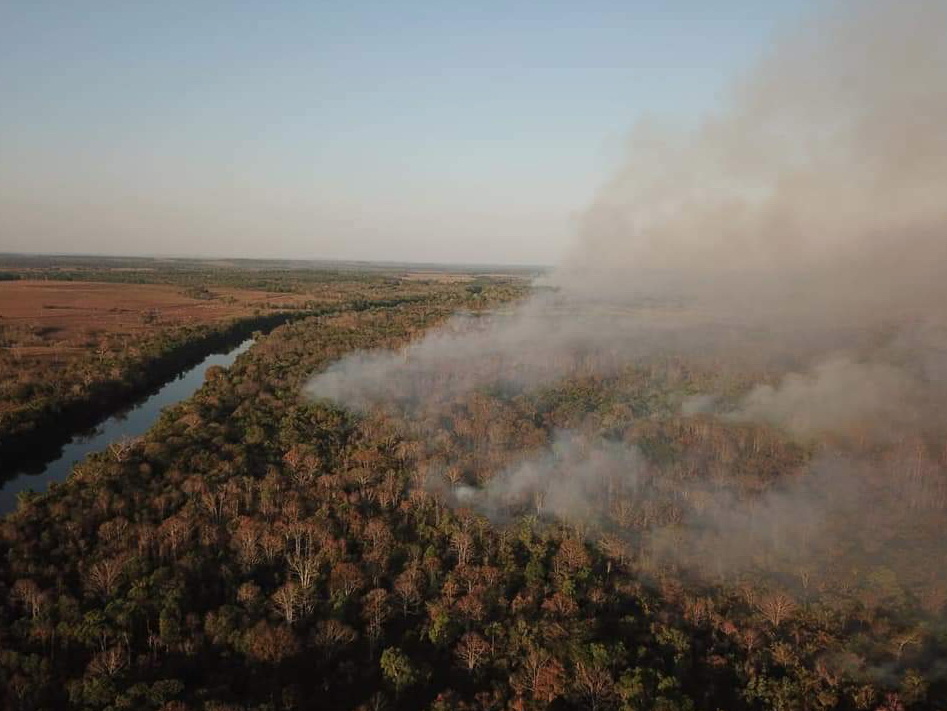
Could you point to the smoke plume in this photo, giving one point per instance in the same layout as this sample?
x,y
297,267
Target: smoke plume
x,y
798,233
802,217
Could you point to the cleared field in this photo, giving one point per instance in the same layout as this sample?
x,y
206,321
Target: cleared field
x,y
79,344
62,310
62,321
437,277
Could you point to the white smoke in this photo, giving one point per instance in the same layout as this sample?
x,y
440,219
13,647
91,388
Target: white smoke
x,y
800,232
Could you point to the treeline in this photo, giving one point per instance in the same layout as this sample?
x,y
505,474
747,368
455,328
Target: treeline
x,y
47,393
281,276
259,551
56,408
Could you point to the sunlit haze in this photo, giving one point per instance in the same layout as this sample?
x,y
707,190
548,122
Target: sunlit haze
x,y
413,131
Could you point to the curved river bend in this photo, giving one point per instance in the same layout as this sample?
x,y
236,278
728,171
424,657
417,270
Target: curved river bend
x,y
132,422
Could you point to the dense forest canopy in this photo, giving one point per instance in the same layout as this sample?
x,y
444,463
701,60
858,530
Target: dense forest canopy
x,y
699,466
594,538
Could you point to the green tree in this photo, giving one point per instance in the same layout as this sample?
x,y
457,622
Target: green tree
x,y
398,669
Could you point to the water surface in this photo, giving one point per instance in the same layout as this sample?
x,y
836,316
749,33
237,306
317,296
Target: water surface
x,y
131,422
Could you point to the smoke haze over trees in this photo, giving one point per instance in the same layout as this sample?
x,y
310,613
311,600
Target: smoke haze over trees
x,y
702,465
795,240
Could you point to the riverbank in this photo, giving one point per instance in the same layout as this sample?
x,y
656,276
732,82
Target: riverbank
x,y
114,433
55,423
51,427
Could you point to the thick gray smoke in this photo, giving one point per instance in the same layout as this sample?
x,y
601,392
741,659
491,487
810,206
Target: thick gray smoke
x,y
818,191
800,231
837,396
574,480
801,218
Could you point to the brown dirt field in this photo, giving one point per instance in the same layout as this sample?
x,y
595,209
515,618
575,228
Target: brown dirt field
x,y
63,311
437,277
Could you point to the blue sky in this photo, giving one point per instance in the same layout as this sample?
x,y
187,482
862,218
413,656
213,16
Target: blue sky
x,y
422,131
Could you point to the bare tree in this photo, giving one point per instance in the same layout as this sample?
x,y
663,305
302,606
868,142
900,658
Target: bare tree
x,y
332,634
103,576
109,662
595,681
472,650
121,449
30,594
375,611
287,599
462,545
540,675
776,608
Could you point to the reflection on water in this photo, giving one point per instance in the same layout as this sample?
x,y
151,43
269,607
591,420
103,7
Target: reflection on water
x,y
133,422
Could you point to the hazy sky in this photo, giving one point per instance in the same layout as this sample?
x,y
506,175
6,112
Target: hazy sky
x,y
414,130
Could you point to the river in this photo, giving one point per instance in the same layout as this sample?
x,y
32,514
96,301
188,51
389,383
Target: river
x,y
131,422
